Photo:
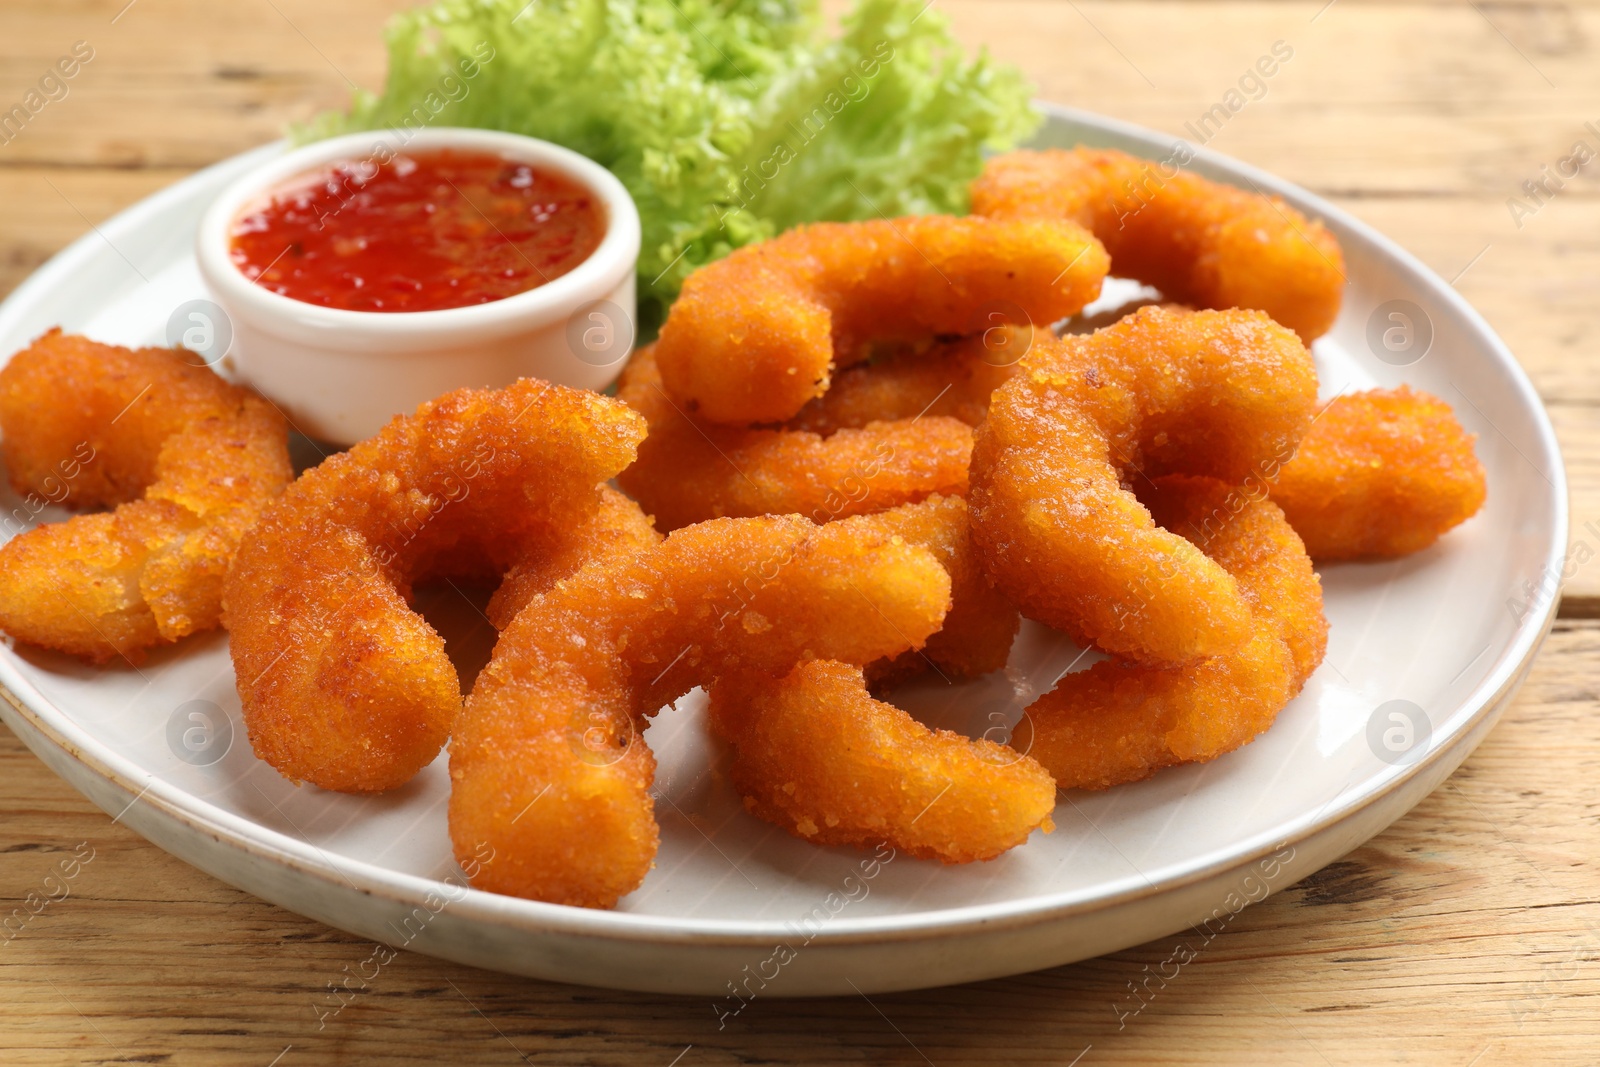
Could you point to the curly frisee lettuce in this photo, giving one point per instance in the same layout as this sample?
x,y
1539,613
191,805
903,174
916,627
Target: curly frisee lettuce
x,y
728,120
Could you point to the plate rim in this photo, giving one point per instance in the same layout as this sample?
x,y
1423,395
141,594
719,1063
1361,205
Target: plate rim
x,y
339,874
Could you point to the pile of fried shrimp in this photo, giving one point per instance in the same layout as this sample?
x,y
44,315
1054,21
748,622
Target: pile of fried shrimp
x,y
857,453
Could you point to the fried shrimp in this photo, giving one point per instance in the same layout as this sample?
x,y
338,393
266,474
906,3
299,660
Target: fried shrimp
x,y
185,460
1219,393
947,379
815,754
547,766
981,624
1117,722
342,684
619,527
755,335
1381,474
1197,241
689,471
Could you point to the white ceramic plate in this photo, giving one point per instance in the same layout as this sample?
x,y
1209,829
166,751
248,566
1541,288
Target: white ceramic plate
x,y
1436,630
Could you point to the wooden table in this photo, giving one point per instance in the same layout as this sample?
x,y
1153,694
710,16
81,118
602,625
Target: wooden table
x,y
1467,934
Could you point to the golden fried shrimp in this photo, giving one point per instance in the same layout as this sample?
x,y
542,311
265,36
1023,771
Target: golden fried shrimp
x,y
820,757
342,684
185,460
689,471
619,527
1117,722
1219,393
815,754
981,624
950,379
1197,241
1380,474
755,335
547,766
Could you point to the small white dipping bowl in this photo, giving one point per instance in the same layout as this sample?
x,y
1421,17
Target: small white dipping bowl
x,y
341,375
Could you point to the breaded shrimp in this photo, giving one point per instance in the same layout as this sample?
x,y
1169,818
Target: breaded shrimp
x,y
1220,393
342,684
756,335
1198,241
185,460
981,624
951,379
815,754
547,766
1119,722
689,470
617,528
1380,474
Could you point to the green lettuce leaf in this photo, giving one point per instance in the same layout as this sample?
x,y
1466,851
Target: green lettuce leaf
x,y
728,120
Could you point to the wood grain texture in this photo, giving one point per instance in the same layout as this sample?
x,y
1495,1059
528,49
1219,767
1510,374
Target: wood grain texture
x,y
1468,933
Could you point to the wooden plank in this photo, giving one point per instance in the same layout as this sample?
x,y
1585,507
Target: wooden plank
x,y
1363,106
1535,285
1471,924
42,210
1403,97
180,83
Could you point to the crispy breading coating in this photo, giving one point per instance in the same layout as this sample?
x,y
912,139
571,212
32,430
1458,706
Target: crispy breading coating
x,y
617,528
943,379
756,335
342,684
981,624
1219,393
547,765
1119,722
689,470
185,460
1381,474
815,754
1196,240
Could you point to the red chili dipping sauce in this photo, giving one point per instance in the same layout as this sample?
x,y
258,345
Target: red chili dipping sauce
x,y
421,232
